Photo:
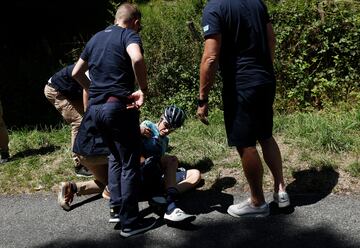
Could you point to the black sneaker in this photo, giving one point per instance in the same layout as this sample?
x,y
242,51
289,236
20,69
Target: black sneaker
x,y
4,157
158,204
82,171
142,226
114,215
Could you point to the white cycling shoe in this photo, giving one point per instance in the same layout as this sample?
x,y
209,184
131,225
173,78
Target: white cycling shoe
x,y
177,215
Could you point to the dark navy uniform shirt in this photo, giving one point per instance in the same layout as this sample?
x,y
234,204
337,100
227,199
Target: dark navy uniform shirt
x,y
109,64
63,82
245,57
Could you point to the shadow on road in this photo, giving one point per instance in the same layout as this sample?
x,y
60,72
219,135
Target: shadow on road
x,y
312,185
88,200
206,201
278,230
228,232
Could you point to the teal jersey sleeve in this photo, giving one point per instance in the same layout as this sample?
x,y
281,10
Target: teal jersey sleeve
x,y
156,145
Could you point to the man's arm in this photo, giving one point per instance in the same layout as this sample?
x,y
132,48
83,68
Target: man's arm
x,y
79,75
85,99
139,68
208,69
271,40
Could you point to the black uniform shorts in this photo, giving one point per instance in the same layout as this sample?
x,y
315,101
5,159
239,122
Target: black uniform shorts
x,y
248,115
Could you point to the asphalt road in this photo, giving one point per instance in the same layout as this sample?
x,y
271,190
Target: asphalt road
x,y
313,221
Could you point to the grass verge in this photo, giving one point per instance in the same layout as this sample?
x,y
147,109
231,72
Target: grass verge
x,y
310,142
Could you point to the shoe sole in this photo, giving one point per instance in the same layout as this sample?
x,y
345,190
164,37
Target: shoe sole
x,y
80,175
114,220
138,231
61,200
186,220
254,215
283,204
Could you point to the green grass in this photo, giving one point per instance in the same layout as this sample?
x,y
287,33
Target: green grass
x,y
322,131
42,158
196,142
39,160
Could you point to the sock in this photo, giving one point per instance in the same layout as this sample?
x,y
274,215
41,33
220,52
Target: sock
x,y
171,196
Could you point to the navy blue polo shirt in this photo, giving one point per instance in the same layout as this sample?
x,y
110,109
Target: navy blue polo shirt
x,y
245,57
109,64
63,82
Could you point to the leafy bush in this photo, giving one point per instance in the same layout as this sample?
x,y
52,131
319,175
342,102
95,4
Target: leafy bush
x,y
316,59
173,46
173,49
318,55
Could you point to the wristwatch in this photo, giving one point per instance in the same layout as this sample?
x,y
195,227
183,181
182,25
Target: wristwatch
x,y
202,102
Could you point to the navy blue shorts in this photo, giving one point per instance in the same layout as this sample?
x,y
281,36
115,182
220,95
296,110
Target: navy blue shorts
x,y
249,116
180,176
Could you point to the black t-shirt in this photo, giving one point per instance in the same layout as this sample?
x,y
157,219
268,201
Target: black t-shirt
x,y
109,64
63,82
245,57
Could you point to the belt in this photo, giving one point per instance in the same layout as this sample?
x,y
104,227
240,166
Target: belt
x,y
113,99
118,99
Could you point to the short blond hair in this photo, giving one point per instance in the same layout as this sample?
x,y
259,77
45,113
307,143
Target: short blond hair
x,y
127,12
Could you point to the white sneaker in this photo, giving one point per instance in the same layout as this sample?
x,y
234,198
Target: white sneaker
x,y
282,199
177,215
247,209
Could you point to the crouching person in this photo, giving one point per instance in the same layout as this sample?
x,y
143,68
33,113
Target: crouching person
x,y
92,152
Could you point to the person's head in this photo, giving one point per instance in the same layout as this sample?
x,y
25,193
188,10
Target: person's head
x,y
172,118
128,16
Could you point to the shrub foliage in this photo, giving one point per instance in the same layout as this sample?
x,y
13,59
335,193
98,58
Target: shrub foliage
x,y
317,56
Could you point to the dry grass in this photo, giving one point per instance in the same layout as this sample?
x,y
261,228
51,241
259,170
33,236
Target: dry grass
x,y
42,158
311,173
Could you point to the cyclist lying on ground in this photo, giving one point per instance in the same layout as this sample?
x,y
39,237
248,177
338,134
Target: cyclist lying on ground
x,y
159,172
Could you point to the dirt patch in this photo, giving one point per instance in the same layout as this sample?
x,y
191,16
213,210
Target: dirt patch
x,y
304,172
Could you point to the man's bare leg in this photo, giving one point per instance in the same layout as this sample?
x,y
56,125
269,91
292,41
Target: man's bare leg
x,y
253,170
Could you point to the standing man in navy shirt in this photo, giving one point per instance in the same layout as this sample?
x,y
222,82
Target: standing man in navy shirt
x,y
239,38
114,58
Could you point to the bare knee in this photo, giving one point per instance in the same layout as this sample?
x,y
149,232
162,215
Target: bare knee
x,y
245,151
193,176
